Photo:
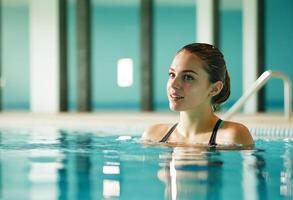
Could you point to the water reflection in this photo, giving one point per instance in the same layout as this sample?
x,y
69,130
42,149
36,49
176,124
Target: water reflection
x,y
191,173
111,174
254,175
286,178
75,177
62,172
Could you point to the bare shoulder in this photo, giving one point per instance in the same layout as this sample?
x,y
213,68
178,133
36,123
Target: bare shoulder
x,y
236,133
155,132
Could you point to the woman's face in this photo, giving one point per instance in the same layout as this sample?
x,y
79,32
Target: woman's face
x,y
188,87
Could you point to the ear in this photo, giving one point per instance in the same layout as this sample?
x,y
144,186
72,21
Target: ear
x,y
216,88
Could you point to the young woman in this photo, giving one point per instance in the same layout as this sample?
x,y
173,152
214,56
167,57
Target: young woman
x,y
198,83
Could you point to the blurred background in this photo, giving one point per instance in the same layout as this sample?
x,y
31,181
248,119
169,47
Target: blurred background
x,y
115,38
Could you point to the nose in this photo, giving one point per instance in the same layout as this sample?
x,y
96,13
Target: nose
x,y
175,83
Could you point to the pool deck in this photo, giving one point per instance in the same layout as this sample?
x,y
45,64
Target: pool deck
x,y
125,119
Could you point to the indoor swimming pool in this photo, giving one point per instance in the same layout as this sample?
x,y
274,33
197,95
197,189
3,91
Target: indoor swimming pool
x,y
67,164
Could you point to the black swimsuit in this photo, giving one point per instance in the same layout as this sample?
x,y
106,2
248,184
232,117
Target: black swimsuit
x,y
212,141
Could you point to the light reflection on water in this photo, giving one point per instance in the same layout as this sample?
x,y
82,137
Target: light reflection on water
x,y
58,164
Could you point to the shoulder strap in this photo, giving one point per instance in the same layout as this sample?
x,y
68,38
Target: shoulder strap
x,y
212,141
165,138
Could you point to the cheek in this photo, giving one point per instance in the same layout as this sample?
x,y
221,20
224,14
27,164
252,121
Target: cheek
x,y
195,90
188,86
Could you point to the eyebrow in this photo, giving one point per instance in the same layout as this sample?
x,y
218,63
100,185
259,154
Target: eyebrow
x,y
188,70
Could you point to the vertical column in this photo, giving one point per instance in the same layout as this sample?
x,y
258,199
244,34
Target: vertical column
x,y
207,21
1,55
63,55
83,55
44,56
146,54
253,49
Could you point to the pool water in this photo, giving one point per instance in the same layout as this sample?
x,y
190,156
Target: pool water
x,y
66,164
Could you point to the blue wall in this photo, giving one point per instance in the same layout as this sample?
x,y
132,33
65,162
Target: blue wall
x,y
15,56
231,46
116,34
173,28
279,45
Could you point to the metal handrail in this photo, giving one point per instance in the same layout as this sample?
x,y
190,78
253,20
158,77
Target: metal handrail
x,y
257,85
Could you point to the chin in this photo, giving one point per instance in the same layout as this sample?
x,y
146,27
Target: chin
x,y
174,107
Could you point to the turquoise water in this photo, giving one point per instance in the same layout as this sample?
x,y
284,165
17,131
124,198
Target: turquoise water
x,y
63,164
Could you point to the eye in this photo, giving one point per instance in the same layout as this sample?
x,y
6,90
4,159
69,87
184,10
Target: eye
x,y
171,75
187,77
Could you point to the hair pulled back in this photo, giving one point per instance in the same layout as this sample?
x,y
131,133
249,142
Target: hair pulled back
x,y
215,67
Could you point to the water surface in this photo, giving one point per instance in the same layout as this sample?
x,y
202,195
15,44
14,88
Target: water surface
x,y
66,164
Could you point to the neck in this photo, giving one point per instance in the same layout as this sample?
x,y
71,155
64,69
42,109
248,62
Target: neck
x,y
194,122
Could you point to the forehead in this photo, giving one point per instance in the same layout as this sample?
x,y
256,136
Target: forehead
x,y
185,60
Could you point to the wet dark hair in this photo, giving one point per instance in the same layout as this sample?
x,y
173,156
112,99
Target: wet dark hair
x,y
215,67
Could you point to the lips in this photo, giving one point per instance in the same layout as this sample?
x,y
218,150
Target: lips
x,y
175,97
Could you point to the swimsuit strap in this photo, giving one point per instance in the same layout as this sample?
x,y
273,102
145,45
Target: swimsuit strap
x,y
212,141
165,138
